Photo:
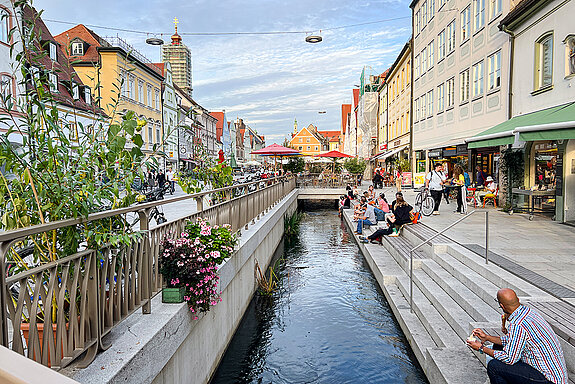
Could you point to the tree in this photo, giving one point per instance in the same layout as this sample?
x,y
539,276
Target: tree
x,y
295,165
355,165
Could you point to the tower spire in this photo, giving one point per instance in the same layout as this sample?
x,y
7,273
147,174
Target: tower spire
x,y
176,39
295,126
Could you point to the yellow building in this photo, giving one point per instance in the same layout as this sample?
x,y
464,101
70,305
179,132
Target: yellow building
x,y
308,140
398,83
123,74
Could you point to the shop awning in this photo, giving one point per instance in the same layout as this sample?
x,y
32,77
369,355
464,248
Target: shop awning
x,y
385,155
548,124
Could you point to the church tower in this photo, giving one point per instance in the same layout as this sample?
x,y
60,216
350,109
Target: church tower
x,y
294,127
180,58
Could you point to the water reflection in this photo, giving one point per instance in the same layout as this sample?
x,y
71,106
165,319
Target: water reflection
x,y
328,322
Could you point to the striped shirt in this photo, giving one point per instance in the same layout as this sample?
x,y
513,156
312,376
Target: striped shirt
x,y
530,339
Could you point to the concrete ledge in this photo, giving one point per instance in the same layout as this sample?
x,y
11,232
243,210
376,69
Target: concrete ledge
x,y
168,346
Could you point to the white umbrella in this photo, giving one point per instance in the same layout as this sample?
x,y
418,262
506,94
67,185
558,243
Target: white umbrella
x,y
253,162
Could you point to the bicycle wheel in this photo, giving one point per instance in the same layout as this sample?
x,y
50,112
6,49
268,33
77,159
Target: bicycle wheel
x,y
418,201
428,206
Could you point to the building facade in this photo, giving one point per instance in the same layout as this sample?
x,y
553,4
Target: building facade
x,y
128,80
169,117
460,87
308,140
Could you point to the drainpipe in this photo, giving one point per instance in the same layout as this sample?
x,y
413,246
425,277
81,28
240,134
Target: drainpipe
x,y
411,157
510,97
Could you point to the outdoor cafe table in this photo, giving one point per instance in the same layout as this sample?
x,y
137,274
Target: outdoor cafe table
x,y
532,198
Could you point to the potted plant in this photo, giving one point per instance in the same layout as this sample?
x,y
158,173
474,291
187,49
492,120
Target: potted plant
x,y
189,264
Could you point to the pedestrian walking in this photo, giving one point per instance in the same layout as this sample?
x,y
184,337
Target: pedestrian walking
x,y
161,178
398,179
459,182
434,181
170,180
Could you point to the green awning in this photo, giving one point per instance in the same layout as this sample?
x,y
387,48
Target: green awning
x,y
557,114
491,142
555,134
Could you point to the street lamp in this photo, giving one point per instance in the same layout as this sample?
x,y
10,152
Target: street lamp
x,y
322,112
154,41
313,39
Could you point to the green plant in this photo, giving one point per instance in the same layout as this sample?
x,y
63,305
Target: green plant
x,y
355,165
291,223
266,285
295,165
404,165
512,169
315,168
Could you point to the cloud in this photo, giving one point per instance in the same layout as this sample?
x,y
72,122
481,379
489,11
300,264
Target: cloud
x,y
268,80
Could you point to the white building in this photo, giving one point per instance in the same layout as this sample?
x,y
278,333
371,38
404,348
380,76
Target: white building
x,y
169,117
460,68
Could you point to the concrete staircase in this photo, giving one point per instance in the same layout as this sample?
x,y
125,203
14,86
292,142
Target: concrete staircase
x,y
454,291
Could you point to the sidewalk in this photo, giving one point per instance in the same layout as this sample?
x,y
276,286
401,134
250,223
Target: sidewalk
x,y
541,251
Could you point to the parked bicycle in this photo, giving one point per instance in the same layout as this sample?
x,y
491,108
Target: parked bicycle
x,y
424,203
154,195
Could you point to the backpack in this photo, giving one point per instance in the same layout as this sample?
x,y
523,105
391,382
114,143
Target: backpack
x,y
467,179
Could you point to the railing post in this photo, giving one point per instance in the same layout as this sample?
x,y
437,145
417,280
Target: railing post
x,y
411,280
147,262
486,237
3,298
200,203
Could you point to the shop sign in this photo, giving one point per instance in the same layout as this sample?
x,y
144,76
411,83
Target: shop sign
x,y
382,146
406,178
450,151
397,143
462,149
434,153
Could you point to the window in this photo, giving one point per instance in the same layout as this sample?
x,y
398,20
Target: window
x,y
431,8
316,148
158,133
478,79
132,87
308,148
494,8
441,46
441,2
570,51
141,91
307,140
124,84
416,104
53,50
300,140
430,103
544,61
417,65
478,14
157,98
440,98
300,148
77,49
150,101
424,60
464,86
6,90
450,92
150,132
451,37
53,80
494,70
417,22
87,95
424,9
75,92
465,23
430,55
4,26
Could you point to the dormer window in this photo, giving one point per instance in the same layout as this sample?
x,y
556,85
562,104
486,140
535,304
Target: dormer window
x,y
75,91
87,95
53,51
78,49
53,79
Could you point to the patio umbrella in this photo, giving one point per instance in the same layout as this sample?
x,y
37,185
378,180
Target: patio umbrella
x,y
276,150
334,155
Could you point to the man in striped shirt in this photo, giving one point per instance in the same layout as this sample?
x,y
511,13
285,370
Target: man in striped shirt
x,y
530,352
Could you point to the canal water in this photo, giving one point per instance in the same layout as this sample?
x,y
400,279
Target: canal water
x,y
328,321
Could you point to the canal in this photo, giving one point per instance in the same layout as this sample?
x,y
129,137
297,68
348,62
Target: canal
x,y
328,321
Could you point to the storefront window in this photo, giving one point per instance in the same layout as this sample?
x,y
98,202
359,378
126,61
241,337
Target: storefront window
x,y
545,165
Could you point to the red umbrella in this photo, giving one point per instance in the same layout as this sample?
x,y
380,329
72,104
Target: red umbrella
x,y
276,150
334,154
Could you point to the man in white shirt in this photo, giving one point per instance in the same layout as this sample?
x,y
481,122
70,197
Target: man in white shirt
x,y
434,182
490,188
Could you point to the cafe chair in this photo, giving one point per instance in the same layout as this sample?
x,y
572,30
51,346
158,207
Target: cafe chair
x,y
492,197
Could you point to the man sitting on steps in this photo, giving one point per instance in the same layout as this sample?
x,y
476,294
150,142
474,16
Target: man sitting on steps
x,y
530,352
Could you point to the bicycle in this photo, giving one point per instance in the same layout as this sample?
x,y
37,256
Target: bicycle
x,y
424,203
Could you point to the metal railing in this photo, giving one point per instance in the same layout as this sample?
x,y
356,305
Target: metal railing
x,y
54,312
325,181
412,250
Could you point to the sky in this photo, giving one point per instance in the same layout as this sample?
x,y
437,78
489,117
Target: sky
x,y
267,80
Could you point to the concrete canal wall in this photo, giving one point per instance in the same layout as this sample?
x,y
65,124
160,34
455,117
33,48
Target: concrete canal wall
x,y
168,346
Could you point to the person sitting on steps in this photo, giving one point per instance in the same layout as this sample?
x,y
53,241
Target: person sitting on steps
x,y
529,351
400,216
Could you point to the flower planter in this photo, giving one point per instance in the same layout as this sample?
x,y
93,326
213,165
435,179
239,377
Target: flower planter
x,y
25,328
173,295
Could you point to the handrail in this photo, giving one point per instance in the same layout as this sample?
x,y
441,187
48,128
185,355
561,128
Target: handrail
x,y
438,234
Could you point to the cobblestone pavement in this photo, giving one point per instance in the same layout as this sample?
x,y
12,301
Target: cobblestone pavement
x,y
541,251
